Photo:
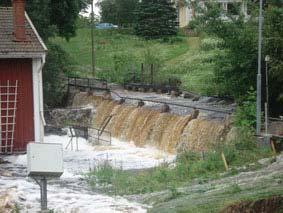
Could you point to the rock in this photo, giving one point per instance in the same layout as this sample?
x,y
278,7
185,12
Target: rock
x,y
279,158
22,198
140,103
211,99
221,102
173,93
107,95
65,117
196,98
121,101
195,113
188,95
165,108
3,161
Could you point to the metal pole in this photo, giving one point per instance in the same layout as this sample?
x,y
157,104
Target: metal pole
x,y
267,58
43,193
266,118
92,40
258,100
142,73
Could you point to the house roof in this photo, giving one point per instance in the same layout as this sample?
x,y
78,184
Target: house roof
x,y
33,47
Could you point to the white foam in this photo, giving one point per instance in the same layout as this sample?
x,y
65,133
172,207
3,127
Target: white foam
x,y
70,194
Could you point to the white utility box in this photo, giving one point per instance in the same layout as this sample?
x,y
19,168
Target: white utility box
x,y
45,159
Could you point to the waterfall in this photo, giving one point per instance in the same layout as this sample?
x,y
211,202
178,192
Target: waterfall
x,y
165,131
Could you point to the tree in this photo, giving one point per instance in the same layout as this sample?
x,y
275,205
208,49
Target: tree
x,y
156,19
273,46
120,12
108,11
236,70
52,17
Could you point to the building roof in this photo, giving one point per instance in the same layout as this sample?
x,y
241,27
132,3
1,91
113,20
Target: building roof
x,y
33,47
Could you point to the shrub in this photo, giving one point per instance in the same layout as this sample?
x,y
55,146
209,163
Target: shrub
x,y
193,25
245,116
57,66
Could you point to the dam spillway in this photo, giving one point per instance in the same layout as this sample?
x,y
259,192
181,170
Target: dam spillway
x,y
148,126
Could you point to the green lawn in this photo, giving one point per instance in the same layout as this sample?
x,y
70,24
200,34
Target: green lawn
x,y
112,44
117,54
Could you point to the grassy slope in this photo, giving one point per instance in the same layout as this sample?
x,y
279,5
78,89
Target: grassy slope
x,y
117,54
209,201
182,59
110,43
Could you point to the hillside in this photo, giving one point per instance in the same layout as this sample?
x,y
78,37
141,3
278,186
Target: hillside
x,y
110,44
188,59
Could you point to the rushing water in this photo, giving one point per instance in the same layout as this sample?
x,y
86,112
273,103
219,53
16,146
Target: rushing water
x,y
165,131
71,193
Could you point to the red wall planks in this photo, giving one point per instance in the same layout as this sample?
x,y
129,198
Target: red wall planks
x,y
21,70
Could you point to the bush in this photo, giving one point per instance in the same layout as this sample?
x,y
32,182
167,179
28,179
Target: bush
x,y
193,25
199,71
123,63
56,67
245,116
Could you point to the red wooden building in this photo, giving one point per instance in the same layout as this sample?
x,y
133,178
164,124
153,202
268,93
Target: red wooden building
x,y
22,57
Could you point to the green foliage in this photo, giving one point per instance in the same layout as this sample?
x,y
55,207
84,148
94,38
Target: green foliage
x,y
63,14
210,43
193,25
123,63
39,12
52,17
83,22
56,67
110,44
245,115
120,12
156,19
234,188
199,69
274,48
235,70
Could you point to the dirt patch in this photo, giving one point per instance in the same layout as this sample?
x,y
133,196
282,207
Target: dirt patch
x,y
270,205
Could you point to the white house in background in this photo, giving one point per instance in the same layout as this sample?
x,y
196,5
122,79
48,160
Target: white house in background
x,y
186,13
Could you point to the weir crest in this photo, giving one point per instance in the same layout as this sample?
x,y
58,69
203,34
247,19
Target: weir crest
x,y
149,127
